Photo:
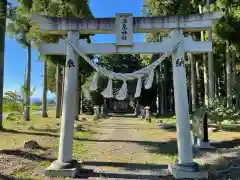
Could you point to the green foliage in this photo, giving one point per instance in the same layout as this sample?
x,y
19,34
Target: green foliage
x,y
120,63
170,7
85,70
37,103
24,93
218,111
228,29
92,98
19,26
13,101
73,8
51,76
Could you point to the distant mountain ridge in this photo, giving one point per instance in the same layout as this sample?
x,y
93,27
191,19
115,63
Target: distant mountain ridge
x,y
35,99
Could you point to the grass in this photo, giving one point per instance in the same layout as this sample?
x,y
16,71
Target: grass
x,y
160,143
167,120
167,152
33,108
45,131
221,158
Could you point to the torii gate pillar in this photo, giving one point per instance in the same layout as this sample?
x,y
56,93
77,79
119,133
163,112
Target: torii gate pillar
x,y
65,166
185,167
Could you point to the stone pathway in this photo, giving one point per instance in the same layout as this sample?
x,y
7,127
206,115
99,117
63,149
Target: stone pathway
x,y
117,154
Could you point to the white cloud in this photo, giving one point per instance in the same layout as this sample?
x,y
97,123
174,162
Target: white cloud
x,y
11,89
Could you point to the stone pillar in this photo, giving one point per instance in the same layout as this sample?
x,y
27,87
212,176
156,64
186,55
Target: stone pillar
x,y
185,168
102,111
137,109
96,112
105,107
202,142
143,113
147,113
181,104
185,165
65,165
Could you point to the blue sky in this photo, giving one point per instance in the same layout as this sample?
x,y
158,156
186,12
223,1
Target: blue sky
x,y
16,55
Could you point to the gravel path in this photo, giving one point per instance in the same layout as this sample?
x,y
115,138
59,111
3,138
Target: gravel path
x,y
117,154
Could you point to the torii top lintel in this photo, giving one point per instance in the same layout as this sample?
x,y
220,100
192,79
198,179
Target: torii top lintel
x,y
191,23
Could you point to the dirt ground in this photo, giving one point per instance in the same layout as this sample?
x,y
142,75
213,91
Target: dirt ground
x,y
121,148
122,152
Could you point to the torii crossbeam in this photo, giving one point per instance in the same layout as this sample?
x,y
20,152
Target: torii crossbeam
x,y
189,23
166,46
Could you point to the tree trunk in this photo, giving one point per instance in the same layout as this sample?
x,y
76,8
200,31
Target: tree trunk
x,y
205,72
229,76
197,71
165,89
216,87
62,92
77,98
80,94
81,101
210,71
198,85
166,86
210,64
161,92
188,68
58,90
234,69
158,90
205,76
28,93
193,82
3,8
44,98
234,78
228,61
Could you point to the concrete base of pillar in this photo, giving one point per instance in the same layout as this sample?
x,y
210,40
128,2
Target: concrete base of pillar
x,y
199,144
58,169
187,172
203,145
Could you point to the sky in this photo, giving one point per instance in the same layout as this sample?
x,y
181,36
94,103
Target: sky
x,y
16,54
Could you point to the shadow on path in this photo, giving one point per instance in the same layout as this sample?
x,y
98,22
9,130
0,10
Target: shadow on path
x,y
122,115
26,155
54,130
228,127
227,144
28,132
87,173
125,165
8,177
165,147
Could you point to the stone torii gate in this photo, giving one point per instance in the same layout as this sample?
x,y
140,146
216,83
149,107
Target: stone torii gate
x,y
124,25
